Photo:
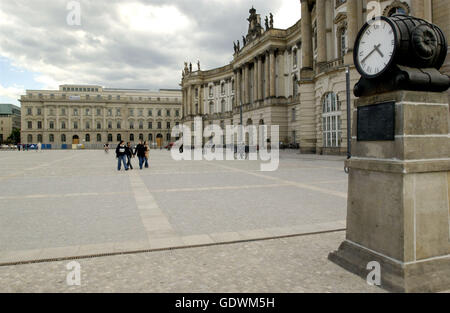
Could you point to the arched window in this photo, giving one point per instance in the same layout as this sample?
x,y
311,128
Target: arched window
x,y
30,138
39,138
331,121
99,137
63,138
87,138
141,136
51,138
119,137
110,139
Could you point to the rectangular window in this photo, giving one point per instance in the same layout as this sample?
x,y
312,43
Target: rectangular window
x,y
75,112
150,113
29,111
30,125
39,125
150,125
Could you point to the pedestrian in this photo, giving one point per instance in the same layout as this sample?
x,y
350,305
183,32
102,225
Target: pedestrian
x,y
121,156
140,152
129,153
147,153
39,147
18,146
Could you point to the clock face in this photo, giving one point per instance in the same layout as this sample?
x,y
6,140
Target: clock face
x,y
375,48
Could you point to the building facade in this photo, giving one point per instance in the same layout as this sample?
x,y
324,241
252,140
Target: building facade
x,y
9,120
93,115
296,77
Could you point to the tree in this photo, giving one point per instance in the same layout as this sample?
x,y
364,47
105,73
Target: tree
x,y
15,136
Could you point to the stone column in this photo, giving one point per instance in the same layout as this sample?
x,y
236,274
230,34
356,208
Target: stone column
x,y
329,14
266,76
417,8
398,193
255,80
238,88
259,79
352,29
307,53
200,99
272,73
246,84
189,100
321,32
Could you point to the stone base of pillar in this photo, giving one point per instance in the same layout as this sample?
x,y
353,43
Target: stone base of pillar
x,y
398,195
426,276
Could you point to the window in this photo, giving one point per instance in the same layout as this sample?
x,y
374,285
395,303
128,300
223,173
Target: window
x,y
211,107
141,112
39,138
117,112
196,92
118,97
39,111
159,125
131,125
150,125
295,86
63,111
99,125
168,125
87,138
331,121
30,138
29,111
75,112
222,106
168,137
99,137
118,125
109,125
131,137
150,137
150,113
141,136
167,112
88,125
39,125
109,112
51,138
211,94
294,58
131,112
63,125
232,86
99,112
52,112
63,138
75,125
343,42
141,125
110,139
196,108
119,137
222,89
177,113
159,112
30,125
51,125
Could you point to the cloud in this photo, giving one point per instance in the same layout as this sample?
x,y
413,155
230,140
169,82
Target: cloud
x,y
130,44
13,92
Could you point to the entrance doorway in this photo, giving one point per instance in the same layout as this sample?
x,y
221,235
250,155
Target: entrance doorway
x,y
159,140
75,140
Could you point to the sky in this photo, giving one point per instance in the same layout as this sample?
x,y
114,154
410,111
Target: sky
x,y
121,43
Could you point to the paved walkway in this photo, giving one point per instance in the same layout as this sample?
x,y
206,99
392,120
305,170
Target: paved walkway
x,y
297,264
64,204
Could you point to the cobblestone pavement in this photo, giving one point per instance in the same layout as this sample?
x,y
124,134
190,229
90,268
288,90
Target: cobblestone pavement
x,y
297,264
57,204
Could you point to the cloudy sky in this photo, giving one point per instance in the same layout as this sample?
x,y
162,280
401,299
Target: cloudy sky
x,y
121,43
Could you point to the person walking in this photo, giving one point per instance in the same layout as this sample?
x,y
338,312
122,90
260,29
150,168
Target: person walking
x,y
147,153
39,147
129,153
140,152
121,156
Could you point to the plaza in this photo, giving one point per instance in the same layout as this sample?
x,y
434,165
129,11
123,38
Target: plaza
x,y
57,206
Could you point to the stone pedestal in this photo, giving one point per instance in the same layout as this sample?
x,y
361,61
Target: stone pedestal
x,y
398,197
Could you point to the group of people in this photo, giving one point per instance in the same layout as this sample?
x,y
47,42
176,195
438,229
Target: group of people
x,y
124,154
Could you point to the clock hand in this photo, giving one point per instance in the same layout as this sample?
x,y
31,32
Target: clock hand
x,y
377,48
367,56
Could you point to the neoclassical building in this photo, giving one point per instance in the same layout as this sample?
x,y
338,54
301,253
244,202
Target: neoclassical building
x,y
93,115
295,77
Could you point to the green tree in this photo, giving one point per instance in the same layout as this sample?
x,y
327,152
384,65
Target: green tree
x,y
15,136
